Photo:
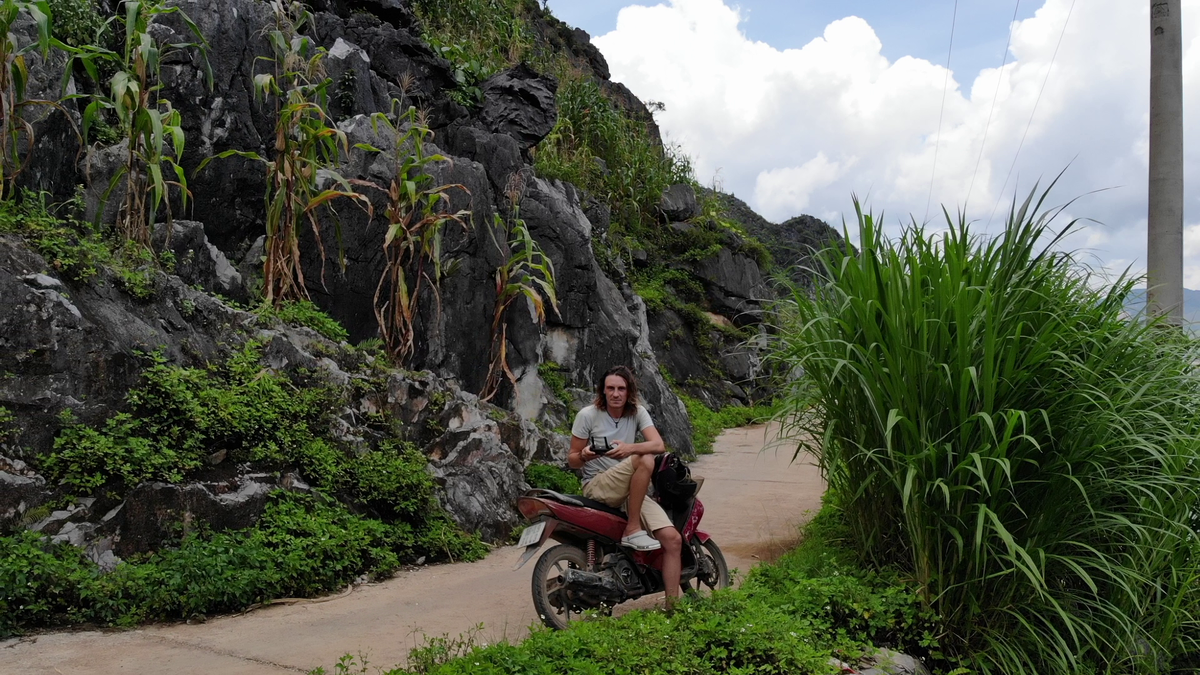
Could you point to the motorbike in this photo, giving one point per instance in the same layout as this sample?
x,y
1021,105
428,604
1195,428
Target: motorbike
x,y
589,572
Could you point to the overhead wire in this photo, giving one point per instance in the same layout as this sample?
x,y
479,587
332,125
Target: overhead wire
x,y
987,125
1037,100
942,112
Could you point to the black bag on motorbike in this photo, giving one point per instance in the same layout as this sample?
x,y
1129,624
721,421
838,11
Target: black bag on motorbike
x,y
673,480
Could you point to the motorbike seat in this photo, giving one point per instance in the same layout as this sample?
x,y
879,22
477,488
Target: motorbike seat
x,y
578,500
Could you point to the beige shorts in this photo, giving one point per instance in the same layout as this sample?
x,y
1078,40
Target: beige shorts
x,y
612,488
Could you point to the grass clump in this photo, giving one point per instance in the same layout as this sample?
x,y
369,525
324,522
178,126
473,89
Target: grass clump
x,y
633,169
478,37
996,428
553,477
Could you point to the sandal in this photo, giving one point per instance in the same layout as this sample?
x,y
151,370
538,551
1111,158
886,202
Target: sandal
x,y
641,541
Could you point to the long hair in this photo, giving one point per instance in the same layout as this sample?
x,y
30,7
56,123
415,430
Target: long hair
x,y
631,389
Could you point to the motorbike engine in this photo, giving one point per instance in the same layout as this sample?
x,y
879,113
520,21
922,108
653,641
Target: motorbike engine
x,y
623,572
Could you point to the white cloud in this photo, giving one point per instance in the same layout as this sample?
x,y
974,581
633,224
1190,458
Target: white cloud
x,y
799,130
788,189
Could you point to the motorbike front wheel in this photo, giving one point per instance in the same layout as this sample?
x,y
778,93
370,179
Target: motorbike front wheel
x,y
550,599
713,572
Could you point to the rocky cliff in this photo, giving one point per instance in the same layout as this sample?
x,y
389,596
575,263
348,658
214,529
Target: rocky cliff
x,y
73,346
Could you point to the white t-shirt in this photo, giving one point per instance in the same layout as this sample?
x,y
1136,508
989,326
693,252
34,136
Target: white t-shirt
x,y
593,422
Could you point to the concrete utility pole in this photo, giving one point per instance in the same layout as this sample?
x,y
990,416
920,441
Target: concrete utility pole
x,y
1164,249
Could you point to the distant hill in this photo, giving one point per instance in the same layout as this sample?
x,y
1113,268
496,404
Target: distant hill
x,y
1136,303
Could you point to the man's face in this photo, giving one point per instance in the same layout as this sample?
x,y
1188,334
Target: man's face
x,y
615,392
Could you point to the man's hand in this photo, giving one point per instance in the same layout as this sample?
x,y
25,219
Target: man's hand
x,y
587,455
620,450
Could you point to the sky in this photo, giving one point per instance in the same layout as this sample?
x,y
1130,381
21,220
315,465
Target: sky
x,y
795,106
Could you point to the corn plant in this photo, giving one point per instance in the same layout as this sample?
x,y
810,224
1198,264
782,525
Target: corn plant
x,y
306,148
149,124
993,424
17,140
526,273
412,245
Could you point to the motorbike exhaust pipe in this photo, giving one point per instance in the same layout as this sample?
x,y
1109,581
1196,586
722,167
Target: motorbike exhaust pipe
x,y
597,584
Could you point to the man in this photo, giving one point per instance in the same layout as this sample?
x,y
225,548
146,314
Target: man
x,y
622,475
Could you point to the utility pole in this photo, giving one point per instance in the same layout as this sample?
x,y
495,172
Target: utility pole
x,y
1164,249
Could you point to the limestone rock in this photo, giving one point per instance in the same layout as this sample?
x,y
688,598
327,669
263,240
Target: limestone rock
x,y
679,203
152,511
520,103
887,662
198,262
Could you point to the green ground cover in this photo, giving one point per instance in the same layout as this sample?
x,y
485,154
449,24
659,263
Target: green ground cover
x,y
790,617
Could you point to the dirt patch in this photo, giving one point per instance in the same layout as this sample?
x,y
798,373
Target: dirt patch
x,y
768,550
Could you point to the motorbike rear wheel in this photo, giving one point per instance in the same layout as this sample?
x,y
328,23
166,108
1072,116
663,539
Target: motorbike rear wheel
x,y
550,599
714,571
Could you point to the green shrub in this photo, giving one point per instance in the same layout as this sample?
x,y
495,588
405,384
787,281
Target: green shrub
x,y
396,479
76,22
8,428
181,416
301,546
305,313
552,477
555,377
478,37
996,427
71,247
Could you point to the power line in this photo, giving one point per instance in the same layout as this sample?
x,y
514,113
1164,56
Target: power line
x,y
941,113
995,95
1033,112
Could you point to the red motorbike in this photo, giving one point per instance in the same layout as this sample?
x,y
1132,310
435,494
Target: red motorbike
x,y
589,571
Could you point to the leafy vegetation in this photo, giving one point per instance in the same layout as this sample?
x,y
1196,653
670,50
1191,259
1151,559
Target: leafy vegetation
x,y
555,377
305,313
527,272
788,617
993,425
76,249
371,510
412,245
302,546
479,37
633,169
150,125
76,22
707,423
306,148
16,135
181,416
553,477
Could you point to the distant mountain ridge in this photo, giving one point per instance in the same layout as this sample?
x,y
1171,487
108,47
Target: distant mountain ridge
x,y
1136,303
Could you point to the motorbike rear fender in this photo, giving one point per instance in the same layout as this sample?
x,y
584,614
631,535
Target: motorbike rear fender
x,y
702,536
531,549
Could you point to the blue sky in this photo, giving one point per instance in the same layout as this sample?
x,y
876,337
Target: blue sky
x,y
796,106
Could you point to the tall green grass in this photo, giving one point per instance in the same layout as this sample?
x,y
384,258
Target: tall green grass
x,y
995,426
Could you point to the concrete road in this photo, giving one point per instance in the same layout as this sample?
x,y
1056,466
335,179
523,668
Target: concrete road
x,y
754,500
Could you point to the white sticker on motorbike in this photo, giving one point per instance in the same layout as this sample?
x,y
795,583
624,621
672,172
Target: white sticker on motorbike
x,y
532,534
